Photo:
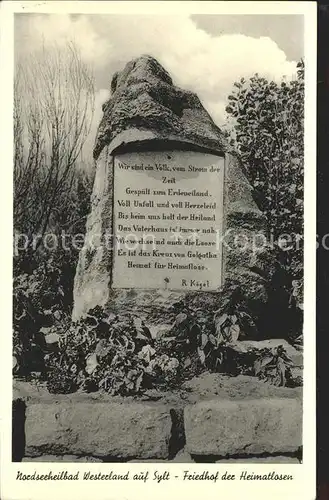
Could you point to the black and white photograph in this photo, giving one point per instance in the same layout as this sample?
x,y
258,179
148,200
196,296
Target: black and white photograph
x,y
161,192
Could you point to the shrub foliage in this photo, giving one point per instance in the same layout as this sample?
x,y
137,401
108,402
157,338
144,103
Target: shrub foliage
x,y
267,132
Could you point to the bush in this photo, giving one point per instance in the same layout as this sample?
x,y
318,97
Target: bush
x,y
266,131
118,354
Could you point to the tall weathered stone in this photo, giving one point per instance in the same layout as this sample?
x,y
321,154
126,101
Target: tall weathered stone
x,y
147,112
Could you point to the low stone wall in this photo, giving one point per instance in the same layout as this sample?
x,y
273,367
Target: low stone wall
x,y
243,427
216,430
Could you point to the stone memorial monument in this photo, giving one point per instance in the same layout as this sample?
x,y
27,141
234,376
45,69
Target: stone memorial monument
x,y
173,216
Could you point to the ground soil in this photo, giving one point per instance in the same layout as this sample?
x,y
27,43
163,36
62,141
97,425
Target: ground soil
x,y
201,388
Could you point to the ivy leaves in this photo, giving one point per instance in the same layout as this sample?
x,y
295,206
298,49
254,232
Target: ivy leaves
x,y
274,366
231,321
109,352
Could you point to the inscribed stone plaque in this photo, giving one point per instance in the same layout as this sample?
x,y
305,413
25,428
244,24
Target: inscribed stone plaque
x,y
168,220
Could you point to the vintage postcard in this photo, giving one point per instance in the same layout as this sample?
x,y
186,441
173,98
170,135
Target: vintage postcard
x,y
158,263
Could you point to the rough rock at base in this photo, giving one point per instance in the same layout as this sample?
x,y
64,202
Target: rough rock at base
x,y
243,427
279,459
62,458
98,429
292,353
182,457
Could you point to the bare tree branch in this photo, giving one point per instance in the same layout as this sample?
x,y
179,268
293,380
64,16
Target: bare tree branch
x,y
53,108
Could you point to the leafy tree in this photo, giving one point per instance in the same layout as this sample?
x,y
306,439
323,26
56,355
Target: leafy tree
x,y
267,132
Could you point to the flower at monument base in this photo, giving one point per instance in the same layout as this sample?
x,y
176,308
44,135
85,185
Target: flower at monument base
x,y
172,365
146,353
91,363
164,364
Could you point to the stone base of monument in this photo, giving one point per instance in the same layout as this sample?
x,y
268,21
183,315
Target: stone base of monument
x,y
212,418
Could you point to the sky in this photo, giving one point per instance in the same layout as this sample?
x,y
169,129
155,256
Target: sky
x,y
202,53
